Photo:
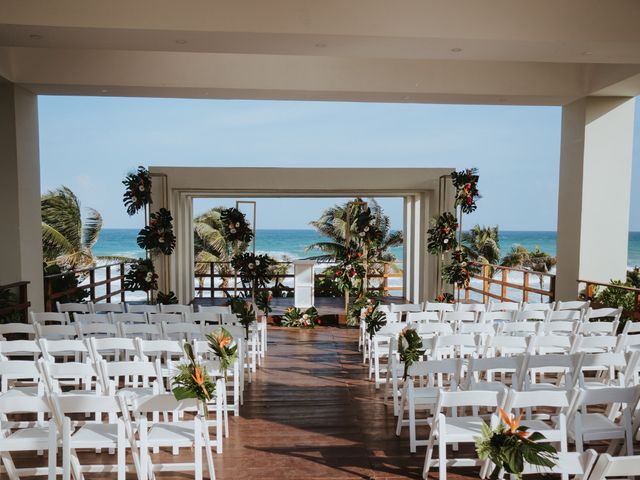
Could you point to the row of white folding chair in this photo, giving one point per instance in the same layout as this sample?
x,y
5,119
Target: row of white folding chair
x,y
92,307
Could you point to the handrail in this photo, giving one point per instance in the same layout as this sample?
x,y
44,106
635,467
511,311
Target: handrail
x,y
489,279
589,294
21,306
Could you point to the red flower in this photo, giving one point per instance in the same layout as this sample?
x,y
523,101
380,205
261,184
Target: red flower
x,y
319,322
338,273
469,200
352,273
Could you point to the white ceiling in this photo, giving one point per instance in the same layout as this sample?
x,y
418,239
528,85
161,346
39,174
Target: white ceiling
x,y
448,51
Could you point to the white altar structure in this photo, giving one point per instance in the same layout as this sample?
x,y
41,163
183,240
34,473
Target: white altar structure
x,y
303,287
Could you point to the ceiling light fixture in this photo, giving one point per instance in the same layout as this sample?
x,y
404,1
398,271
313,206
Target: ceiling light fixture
x,y
456,50
35,36
321,45
181,41
587,53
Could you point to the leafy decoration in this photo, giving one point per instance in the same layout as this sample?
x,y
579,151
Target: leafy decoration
x,y
223,346
244,311
410,348
192,380
349,275
511,445
354,313
466,184
263,301
141,276
294,317
158,235
367,231
459,270
235,226
374,319
254,270
169,298
445,298
442,234
137,191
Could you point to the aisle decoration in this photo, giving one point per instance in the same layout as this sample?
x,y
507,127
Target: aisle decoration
x,y
137,194
374,319
169,298
223,346
254,270
366,230
296,318
511,445
193,381
235,226
442,234
459,270
158,236
141,276
263,302
466,184
244,311
350,275
354,313
410,348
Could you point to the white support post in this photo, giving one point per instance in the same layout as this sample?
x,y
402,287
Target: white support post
x,y
594,192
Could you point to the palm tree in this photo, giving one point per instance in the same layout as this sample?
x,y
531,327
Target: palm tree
x,y
66,239
333,225
534,260
482,244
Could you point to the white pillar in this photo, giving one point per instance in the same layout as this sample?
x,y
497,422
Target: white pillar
x,y
594,192
21,239
407,279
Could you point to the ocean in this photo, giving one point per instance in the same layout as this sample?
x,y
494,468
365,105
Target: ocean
x,y
292,243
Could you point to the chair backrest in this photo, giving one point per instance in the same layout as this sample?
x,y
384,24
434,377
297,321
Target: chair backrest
x,y
608,314
589,328
405,307
152,349
91,318
594,344
543,344
631,328
51,349
142,308
142,330
520,328
19,348
229,319
613,467
128,318
608,362
422,317
532,315
176,308
203,318
56,332
21,329
471,307
163,402
67,404
73,307
182,331
544,307
438,307
434,329
17,370
539,398
49,318
455,317
573,305
99,347
505,345
53,373
159,318
449,366
561,327
497,316
107,307
608,396
504,306
97,330
130,374
391,329
564,316
461,398
23,404
214,308
476,328
481,370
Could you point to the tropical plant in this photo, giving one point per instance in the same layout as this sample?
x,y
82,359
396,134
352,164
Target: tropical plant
x,y
254,270
67,239
349,276
511,445
169,298
633,277
244,311
355,310
615,297
158,236
466,185
141,276
374,319
137,193
263,301
533,260
410,348
482,244
458,271
235,226
192,380
65,283
221,343
442,233
295,317
332,224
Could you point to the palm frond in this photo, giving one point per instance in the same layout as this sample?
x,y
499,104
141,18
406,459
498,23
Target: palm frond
x,y
91,228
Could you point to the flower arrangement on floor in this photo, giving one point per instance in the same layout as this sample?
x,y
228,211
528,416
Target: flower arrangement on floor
x,y
373,318
244,311
223,346
235,226
254,270
459,270
466,184
296,318
442,234
141,276
410,348
445,298
166,298
510,446
158,236
192,381
137,192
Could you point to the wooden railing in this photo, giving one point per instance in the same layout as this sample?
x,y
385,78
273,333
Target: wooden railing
x,y
221,273
590,293
15,301
113,283
509,290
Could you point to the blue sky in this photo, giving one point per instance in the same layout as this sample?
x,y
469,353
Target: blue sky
x,y
90,143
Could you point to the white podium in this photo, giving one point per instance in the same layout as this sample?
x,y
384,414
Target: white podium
x,y
303,286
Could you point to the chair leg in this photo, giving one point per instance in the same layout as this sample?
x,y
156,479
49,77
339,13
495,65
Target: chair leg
x,y
52,453
429,455
442,456
412,425
197,450
66,450
401,414
122,466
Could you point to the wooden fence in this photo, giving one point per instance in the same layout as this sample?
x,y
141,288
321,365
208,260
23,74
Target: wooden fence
x,y
510,290
113,283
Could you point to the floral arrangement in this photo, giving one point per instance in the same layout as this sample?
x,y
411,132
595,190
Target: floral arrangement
x,y
511,445
192,380
244,311
442,233
166,298
365,227
141,276
137,191
349,276
459,270
255,270
445,298
294,317
158,235
222,344
235,226
373,318
354,313
263,301
410,348
466,184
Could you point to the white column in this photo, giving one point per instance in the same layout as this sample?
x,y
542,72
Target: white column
x,y
594,192
21,239
407,279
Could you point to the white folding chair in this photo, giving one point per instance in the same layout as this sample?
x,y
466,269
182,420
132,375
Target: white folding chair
x,y
96,330
504,306
433,329
182,331
604,315
186,433
214,309
565,316
61,350
128,318
142,308
482,372
73,307
602,369
422,317
19,348
18,329
159,318
608,467
420,392
175,308
560,365
578,305
561,327
471,307
598,328
476,328
142,330
18,436
103,308
458,345
206,319
542,344
532,315
20,378
90,434
82,318
594,344
459,429
132,379
505,346
521,329
112,348
542,307
49,318
497,318
453,318
56,332
438,307
614,424
379,349
82,376
399,310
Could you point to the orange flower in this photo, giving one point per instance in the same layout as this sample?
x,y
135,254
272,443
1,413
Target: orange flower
x,y
512,424
198,377
222,340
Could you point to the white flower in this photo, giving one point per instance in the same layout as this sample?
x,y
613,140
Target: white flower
x,y
251,265
305,316
361,234
446,240
141,188
149,277
233,230
161,240
257,262
237,224
366,229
